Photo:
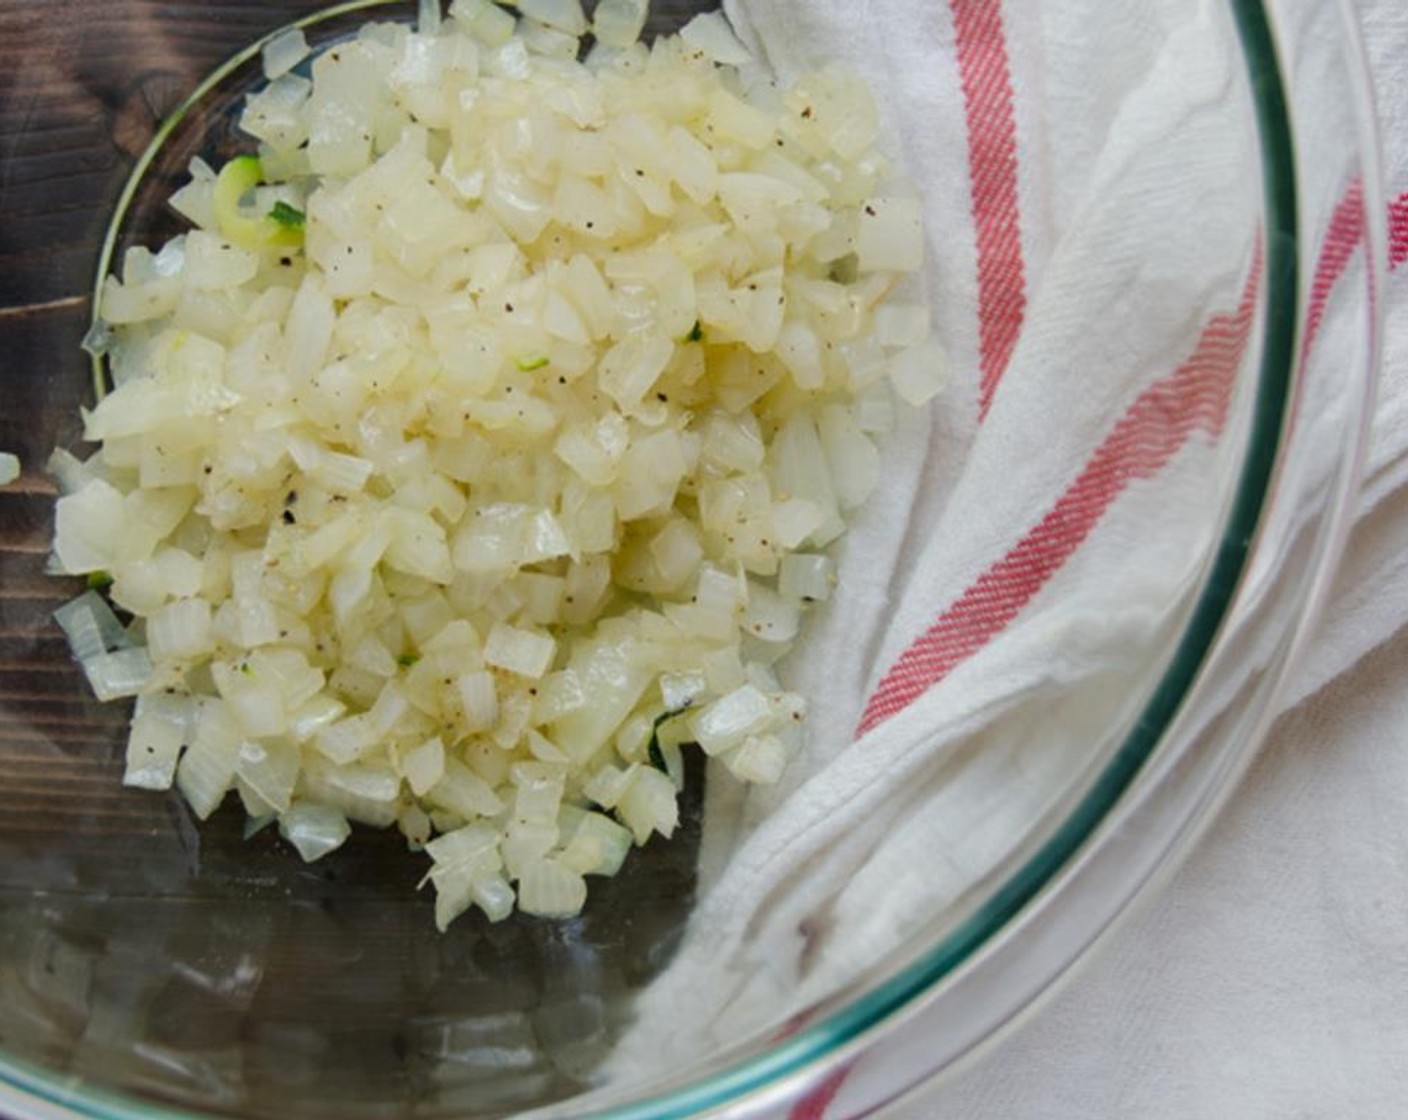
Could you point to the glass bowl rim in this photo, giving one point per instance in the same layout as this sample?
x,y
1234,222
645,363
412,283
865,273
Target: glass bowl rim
x,y
819,1042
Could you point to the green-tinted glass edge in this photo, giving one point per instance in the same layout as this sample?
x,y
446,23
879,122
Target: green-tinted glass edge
x,y
1249,499
1264,443
1268,422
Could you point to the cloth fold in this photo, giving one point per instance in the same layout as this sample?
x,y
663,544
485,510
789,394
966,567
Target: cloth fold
x,y
1265,981
1007,592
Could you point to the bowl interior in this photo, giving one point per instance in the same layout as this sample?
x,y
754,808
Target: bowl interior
x,y
148,955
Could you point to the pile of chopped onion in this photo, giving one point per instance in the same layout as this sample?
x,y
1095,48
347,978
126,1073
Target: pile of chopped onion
x,y
476,448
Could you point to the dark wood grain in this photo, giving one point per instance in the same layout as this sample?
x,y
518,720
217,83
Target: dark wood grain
x,y
83,86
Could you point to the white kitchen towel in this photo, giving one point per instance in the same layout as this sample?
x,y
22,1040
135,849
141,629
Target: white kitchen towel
x,y
1267,980
1112,107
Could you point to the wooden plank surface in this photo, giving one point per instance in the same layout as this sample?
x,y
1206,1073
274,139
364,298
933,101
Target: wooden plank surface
x,y
139,950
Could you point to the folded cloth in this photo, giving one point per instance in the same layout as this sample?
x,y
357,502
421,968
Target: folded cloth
x,y
1265,982
1006,589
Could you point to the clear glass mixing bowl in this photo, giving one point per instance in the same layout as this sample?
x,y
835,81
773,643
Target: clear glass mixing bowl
x,y
150,968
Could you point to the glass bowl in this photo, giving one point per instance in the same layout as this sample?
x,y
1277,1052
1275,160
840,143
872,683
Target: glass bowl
x,y
153,968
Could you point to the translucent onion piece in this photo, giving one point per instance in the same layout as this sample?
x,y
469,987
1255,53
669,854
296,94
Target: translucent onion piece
x,y
283,52
471,456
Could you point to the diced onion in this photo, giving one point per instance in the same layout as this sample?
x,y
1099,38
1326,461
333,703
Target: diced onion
x,y
283,52
609,785
208,766
597,845
124,672
161,727
650,805
469,459
540,787
463,791
428,17
854,460
269,771
565,15
618,23
710,32
549,889
760,759
727,721
519,651
424,766
365,793
898,325
920,373
315,830
87,525
485,20
180,631
526,843
806,578
891,237
91,627
679,690
346,740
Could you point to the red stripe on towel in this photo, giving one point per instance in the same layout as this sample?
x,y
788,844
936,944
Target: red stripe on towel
x,y
1342,238
1398,231
814,1105
992,167
1156,426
